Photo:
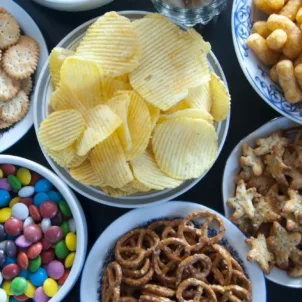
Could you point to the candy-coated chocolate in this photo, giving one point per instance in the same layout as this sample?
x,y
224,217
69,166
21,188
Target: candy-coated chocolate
x,y
1,173
14,201
34,178
22,260
39,198
4,185
26,191
71,241
30,290
27,201
40,296
5,213
13,226
24,273
3,295
11,249
48,209
14,182
57,220
2,232
2,257
45,243
20,211
6,287
69,260
72,225
35,213
10,271
62,280
32,232
28,221
48,256
4,198
34,264
10,260
55,269
45,224
61,249
34,250
43,185
50,287
54,234
21,241
8,169
38,277
55,196
24,176
22,297
65,227
18,286
1,278
64,208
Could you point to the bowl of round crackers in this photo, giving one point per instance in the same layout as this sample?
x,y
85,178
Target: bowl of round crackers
x,y
262,185
118,123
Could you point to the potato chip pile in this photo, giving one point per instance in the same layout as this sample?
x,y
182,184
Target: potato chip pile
x,y
134,106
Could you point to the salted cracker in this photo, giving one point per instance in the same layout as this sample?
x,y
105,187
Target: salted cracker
x,y
3,11
9,31
8,87
4,125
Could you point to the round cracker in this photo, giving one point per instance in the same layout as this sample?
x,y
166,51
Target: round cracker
x,y
8,87
14,110
9,31
26,85
3,11
20,61
4,125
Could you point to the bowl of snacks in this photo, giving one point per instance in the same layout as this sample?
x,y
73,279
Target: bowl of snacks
x,y
267,39
118,129
166,250
23,52
43,233
261,193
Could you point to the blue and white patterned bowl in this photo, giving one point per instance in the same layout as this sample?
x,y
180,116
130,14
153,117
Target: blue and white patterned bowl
x,y
244,14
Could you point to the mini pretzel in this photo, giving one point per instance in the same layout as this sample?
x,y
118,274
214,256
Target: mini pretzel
x,y
158,226
139,272
235,293
240,279
158,290
171,229
140,281
111,282
177,254
202,293
128,299
202,231
153,298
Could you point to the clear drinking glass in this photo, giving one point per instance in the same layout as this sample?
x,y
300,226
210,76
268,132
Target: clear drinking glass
x,y
190,12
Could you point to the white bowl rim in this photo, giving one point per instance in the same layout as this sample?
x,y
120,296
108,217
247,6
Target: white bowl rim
x,y
77,213
127,199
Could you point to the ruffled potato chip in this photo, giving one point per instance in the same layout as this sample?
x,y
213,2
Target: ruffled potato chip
x,y
184,148
154,114
200,97
179,106
114,192
110,86
61,129
137,185
205,47
109,162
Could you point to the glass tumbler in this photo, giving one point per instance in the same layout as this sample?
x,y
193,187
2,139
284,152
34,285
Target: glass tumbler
x,y
190,12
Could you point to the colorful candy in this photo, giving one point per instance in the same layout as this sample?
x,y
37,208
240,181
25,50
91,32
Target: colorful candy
x,y
20,211
24,175
18,286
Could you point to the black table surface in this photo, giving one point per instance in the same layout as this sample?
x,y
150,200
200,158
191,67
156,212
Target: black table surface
x,y
248,113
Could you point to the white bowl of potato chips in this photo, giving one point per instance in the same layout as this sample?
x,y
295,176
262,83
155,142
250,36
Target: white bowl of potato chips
x,y
143,128
269,50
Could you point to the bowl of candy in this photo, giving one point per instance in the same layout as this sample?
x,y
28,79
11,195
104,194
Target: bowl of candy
x,y
43,233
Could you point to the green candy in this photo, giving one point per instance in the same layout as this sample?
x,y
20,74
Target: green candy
x,y
14,182
64,208
61,249
18,286
64,226
34,264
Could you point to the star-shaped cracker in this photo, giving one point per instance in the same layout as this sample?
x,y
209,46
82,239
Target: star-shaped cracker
x,y
298,161
294,205
282,244
276,200
263,212
296,176
265,145
262,183
296,271
260,253
289,158
242,203
250,159
246,174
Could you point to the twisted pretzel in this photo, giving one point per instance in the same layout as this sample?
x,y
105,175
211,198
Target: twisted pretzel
x,y
112,279
139,272
158,290
153,298
177,254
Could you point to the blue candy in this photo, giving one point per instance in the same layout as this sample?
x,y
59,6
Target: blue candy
x,y
24,273
55,196
40,198
4,198
9,260
43,185
38,277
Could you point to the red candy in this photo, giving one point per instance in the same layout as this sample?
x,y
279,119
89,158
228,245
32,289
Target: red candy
x,y
34,213
57,220
34,178
48,209
10,271
27,201
34,250
47,256
32,232
8,169
54,234
45,243
64,277
13,226
22,297
22,260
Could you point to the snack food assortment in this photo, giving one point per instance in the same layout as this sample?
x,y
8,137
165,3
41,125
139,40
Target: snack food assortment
x,y
19,55
267,202
127,119
37,236
175,260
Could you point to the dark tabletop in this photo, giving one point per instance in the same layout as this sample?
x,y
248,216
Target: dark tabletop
x,y
249,112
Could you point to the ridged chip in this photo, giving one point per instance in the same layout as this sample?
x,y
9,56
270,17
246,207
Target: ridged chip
x,y
85,174
200,97
137,185
170,63
61,129
119,105
113,43
154,114
110,86
109,162
101,123
8,87
182,105
83,78
184,148
56,59
205,47
114,192
221,99
147,172
9,31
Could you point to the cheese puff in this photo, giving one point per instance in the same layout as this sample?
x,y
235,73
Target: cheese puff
x,y
276,40
260,27
269,6
290,9
274,74
298,74
293,45
259,46
298,60
288,82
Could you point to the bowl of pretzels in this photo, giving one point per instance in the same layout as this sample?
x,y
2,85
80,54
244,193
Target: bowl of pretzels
x,y
177,251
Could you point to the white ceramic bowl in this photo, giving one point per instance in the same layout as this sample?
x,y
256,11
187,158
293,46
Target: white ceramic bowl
x,y
29,27
41,111
101,251
244,15
232,168
73,5
77,213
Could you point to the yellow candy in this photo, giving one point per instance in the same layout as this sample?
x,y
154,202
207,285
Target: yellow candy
x,y
69,260
30,290
6,287
50,287
24,176
14,201
71,241
5,213
1,173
